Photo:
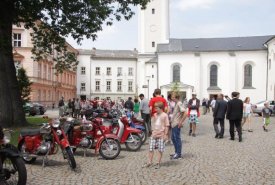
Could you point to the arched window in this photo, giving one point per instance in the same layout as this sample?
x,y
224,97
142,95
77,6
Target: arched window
x,y
213,75
248,75
176,73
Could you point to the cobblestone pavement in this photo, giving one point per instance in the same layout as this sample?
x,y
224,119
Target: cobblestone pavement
x,y
206,160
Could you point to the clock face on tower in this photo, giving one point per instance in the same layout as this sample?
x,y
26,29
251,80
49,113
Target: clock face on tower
x,y
153,28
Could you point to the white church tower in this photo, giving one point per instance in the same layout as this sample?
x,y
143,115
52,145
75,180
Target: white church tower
x,y
153,29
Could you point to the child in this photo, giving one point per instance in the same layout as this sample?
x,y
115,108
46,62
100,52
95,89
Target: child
x,y
160,126
266,112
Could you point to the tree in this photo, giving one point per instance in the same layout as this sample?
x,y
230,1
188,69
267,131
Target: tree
x,y
175,87
56,20
24,85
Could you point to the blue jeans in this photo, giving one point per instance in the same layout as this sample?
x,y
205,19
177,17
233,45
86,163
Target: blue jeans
x,y
176,140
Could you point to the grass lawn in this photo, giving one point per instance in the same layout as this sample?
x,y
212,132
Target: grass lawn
x,y
33,122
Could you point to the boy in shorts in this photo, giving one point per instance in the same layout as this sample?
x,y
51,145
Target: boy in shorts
x,y
160,127
266,112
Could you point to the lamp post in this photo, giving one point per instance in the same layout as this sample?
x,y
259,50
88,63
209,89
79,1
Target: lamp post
x,y
148,80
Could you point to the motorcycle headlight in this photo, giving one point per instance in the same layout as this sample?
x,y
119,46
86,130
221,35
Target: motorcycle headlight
x,y
58,132
55,123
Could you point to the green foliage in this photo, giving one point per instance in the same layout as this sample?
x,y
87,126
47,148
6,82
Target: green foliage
x,y
175,88
24,85
61,18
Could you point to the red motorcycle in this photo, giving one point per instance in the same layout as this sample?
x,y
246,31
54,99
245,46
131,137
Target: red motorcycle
x,y
45,141
126,134
90,134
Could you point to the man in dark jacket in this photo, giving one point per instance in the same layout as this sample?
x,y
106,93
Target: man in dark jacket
x,y
219,115
234,114
129,104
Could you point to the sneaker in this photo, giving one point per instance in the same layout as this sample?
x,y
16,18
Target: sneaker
x,y
217,135
250,130
176,156
146,165
171,155
194,135
190,132
157,166
264,128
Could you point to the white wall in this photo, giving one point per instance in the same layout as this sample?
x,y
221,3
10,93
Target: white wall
x,y
271,70
195,71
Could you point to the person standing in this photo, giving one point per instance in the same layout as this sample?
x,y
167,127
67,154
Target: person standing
x,y
171,102
219,115
234,115
129,104
136,107
160,124
61,105
204,106
177,120
247,111
266,112
145,112
77,107
157,97
193,113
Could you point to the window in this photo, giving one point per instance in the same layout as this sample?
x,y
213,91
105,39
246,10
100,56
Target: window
x,y
119,85
83,70
152,66
130,86
45,72
39,70
49,73
269,63
108,85
130,71
82,87
17,40
248,75
176,73
109,72
119,71
17,65
153,11
213,75
97,70
97,85
49,95
153,44
153,76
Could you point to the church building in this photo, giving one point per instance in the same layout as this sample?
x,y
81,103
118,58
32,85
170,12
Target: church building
x,y
207,66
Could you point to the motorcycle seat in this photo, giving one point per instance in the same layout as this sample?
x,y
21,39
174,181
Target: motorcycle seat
x,y
29,132
107,123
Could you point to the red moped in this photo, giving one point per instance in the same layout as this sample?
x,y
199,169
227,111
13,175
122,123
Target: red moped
x,y
89,134
126,134
45,141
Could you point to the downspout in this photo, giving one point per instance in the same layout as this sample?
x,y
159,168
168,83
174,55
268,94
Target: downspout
x,y
266,71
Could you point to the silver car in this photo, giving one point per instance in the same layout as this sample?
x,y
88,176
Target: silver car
x,y
258,107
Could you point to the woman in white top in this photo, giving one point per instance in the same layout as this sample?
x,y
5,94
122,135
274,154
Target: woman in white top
x,y
247,111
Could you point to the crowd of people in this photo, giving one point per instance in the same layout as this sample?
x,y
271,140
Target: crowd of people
x,y
164,118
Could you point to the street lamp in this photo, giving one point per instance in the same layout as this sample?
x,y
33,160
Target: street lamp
x,y
148,79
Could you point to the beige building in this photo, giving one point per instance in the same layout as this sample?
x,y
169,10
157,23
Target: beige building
x,y
48,87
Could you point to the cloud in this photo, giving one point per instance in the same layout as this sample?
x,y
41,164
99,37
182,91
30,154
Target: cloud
x,y
188,4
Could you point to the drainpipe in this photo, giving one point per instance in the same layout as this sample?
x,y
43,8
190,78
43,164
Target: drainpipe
x,y
266,71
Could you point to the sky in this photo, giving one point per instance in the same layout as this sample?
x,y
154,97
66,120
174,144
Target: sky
x,y
194,19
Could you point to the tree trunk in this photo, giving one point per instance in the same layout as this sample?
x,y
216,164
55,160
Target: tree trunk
x,y
11,108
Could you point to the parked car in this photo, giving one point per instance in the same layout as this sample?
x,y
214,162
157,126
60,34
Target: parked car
x,y
258,107
34,109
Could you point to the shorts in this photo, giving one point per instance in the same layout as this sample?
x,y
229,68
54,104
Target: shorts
x,y
156,143
246,115
266,121
193,119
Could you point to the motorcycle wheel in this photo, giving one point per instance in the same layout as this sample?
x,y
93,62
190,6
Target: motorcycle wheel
x,y
136,144
70,157
14,171
21,148
109,148
143,136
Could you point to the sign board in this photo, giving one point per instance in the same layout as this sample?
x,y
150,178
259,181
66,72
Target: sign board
x,y
145,86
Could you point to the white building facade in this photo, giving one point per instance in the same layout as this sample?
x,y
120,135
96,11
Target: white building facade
x,y
107,74
206,66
